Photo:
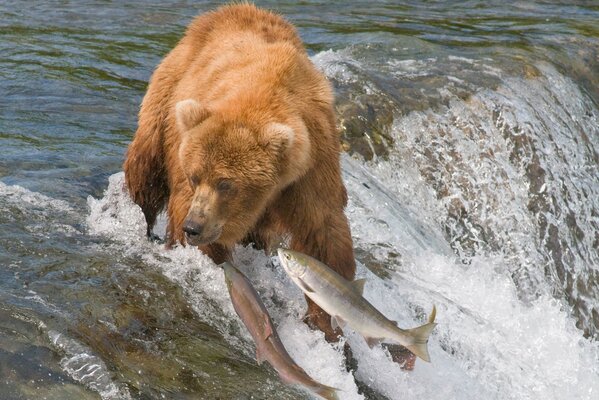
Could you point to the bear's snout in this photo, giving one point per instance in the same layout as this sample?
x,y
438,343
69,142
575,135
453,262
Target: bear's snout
x,y
201,231
192,228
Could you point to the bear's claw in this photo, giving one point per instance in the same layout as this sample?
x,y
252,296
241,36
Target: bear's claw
x,y
152,237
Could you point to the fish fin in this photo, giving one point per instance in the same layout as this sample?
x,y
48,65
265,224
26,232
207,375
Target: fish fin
x,y
327,392
433,314
337,322
372,341
305,286
358,286
420,335
267,327
259,356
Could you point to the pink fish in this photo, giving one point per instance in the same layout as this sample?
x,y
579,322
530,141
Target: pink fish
x,y
254,315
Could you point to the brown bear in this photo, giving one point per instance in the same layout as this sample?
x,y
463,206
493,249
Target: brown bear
x,y
237,138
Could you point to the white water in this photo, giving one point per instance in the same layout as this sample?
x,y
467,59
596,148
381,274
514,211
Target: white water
x,y
502,333
35,209
509,171
488,344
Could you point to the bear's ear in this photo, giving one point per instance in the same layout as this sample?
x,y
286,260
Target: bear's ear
x,y
189,113
277,136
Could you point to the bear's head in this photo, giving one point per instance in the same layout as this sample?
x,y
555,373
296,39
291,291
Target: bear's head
x,y
234,170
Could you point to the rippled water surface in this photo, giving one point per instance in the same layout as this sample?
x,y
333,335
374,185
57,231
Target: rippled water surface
x,y
472,138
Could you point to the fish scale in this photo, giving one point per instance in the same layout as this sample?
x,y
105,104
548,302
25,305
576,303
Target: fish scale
x,y
343,300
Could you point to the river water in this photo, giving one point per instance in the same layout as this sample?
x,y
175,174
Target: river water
x,y
471,132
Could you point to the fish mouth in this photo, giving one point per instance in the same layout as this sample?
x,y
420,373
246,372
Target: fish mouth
x,y
281,252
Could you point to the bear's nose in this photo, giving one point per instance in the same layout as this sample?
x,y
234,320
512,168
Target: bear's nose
x,y
192,228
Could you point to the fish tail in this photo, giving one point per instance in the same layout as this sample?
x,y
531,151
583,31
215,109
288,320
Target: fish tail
x,y
327,392
420,336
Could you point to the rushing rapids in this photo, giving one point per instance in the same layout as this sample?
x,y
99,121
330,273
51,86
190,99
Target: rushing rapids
x,y
472,167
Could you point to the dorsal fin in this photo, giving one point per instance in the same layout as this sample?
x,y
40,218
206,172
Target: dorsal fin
x,y
358,286
433,314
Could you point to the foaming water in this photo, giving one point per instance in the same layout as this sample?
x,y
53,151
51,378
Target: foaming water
x,y
473,135
513,349
517,174
19,196
509,170
488,344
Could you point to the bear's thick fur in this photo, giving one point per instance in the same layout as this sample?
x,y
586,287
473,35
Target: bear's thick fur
x,y
237,138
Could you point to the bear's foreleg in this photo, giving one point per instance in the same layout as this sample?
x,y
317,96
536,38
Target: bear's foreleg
x,y
146,162
145,175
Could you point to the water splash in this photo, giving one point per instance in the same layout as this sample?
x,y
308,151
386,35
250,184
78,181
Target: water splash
x,y
487,341
512,349
116,217
85,367
516,171
507,150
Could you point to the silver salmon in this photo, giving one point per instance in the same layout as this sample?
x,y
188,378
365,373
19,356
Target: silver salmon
x,y
343,301
253,313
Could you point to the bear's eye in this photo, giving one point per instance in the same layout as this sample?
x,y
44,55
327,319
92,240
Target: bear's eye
x,y
194,180
224,185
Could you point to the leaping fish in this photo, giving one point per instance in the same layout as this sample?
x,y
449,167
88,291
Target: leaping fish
x,y
344,302
253,313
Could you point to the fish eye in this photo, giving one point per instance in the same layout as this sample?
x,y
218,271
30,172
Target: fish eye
x,y
287,256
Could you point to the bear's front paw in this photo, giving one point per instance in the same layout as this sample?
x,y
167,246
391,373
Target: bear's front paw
x,y
401,355
152,237
318,319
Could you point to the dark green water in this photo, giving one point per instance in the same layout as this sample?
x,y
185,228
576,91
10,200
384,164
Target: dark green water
x,y
477,122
